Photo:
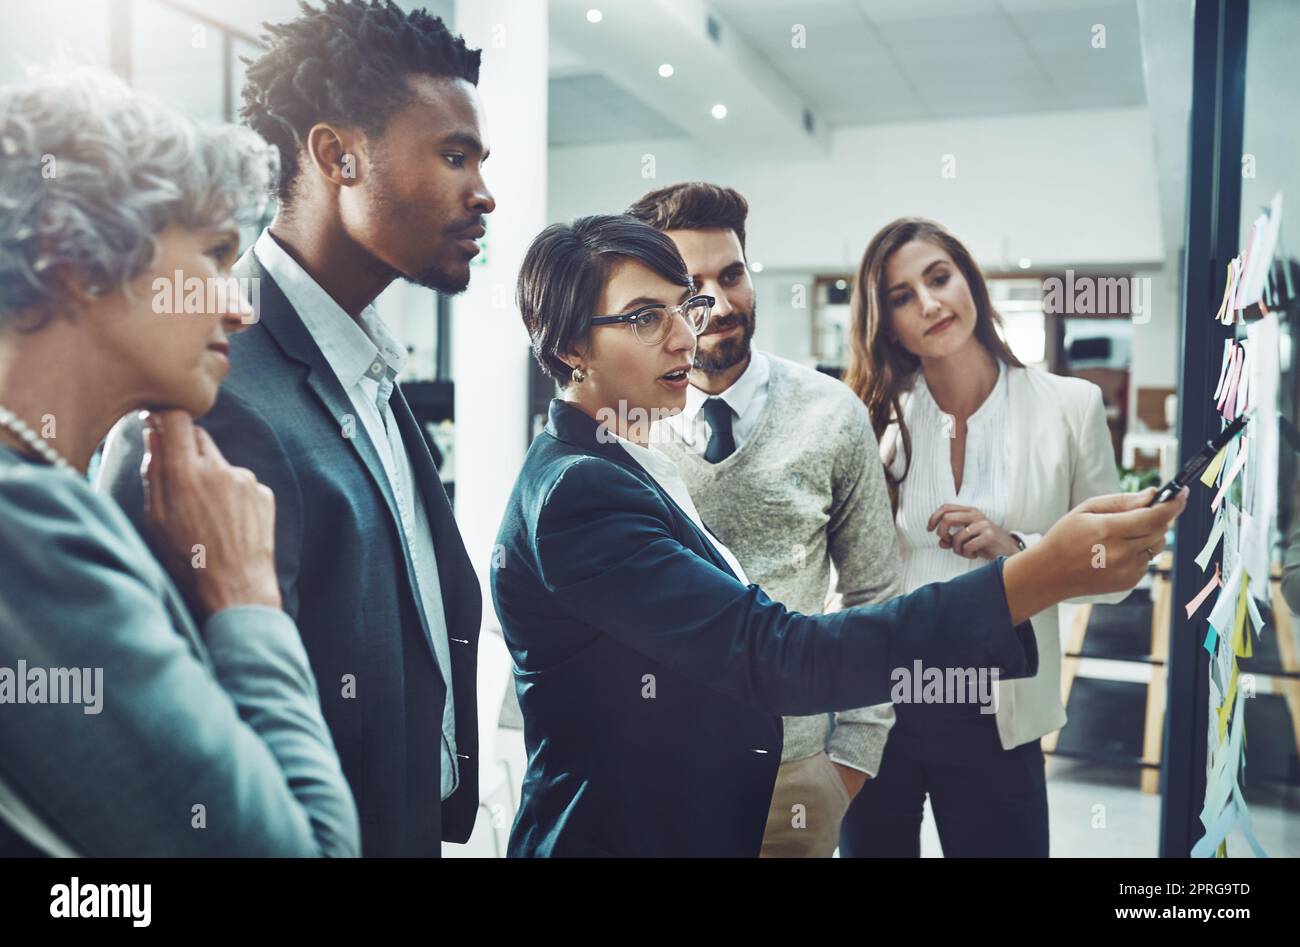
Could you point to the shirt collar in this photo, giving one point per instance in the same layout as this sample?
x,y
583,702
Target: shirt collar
x,y
655,462
741,393
352,347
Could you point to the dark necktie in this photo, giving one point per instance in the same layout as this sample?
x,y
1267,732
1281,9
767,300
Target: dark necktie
x,y
721,442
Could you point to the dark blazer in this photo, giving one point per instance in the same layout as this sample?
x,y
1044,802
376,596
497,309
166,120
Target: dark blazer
x,y
652,682
345,574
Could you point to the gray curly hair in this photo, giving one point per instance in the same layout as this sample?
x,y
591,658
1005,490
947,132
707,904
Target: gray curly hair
x,y
91,172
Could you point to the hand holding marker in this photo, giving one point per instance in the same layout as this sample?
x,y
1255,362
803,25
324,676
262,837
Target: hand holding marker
x,y
1198,463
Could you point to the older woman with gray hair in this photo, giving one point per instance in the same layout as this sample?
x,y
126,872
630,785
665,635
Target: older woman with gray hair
x,y
124,728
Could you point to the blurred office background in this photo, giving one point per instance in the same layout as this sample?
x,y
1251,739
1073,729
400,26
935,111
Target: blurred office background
x,y
1051,136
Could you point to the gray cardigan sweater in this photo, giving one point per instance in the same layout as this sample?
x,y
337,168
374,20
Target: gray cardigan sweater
x,y
805,492
228,721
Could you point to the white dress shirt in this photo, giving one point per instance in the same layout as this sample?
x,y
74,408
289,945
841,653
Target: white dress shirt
x,y
366,358
929,483
746,398
660,466
1057,451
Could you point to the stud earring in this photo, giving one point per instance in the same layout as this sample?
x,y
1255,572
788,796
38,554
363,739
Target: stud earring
x,y
579,375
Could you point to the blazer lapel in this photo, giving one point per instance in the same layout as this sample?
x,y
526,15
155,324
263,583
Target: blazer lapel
x,y
282,323
575,427
455,571
1020,428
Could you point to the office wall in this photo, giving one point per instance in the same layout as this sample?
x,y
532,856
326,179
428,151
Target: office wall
x,y
1065,189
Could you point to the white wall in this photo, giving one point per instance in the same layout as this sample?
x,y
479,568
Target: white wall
x,y
489,343
1065,189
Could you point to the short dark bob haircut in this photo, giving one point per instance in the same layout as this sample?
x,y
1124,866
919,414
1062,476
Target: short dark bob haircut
x,y
564,274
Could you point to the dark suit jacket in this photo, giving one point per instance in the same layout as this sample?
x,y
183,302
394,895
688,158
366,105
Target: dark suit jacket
x,y
652,682
345,574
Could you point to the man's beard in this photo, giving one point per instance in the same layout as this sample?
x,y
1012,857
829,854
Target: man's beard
x,y
439,279
728,353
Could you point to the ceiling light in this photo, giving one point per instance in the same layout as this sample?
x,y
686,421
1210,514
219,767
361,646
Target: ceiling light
x,y
666,70
756,267
719,111
1026,263
594,16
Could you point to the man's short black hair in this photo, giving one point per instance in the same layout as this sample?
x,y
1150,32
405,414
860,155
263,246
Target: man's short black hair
x,y
346,62
564,274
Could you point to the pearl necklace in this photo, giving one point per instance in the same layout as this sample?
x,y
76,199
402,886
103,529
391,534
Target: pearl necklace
x,y
19,429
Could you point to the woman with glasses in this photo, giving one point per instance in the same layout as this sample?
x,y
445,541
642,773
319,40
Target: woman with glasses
x,y
652,677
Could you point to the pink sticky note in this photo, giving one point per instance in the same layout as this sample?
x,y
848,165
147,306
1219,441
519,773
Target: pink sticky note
x,y
1204,593
1229,396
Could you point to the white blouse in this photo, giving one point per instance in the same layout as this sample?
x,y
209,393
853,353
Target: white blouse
x,y
929,483
662,467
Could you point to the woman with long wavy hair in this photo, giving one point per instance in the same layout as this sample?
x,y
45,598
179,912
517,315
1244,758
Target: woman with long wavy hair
x,y
982,455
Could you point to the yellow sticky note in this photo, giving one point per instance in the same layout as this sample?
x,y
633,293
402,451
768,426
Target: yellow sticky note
x,y
1216,465
1240,641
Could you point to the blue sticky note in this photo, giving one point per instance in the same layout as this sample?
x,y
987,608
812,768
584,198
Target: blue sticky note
x,y
1211,639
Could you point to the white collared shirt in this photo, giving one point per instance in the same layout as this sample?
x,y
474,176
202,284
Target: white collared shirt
x,y
660,466
929,483
360,351
746,397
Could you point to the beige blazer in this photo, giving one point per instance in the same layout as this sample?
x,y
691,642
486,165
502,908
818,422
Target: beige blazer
x,y
1060,454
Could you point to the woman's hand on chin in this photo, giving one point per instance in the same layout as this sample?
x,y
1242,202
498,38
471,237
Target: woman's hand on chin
x,y
214,521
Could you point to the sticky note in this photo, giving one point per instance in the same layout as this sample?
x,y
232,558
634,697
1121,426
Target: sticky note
x,y
1223,368
1203,557
1228,699
1224,315
1226,604
1216,833
1232,475
1224,805
1240,641
1227,402
1243,387
1253,611
1216,465
1203,594
1244,823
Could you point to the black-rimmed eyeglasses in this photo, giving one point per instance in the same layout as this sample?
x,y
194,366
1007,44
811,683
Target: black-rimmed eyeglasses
x,y
651,323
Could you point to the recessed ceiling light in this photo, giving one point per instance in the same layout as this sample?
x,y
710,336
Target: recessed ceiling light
x,y
594,16
666,70
756,267
841,284
719,111
1026,263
